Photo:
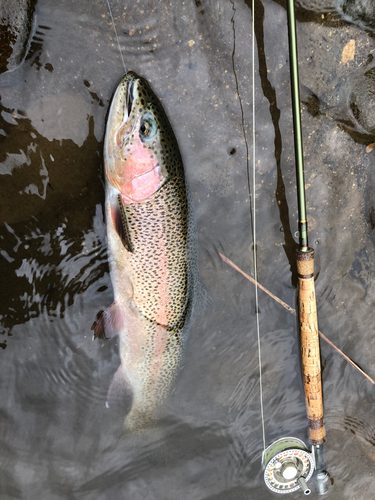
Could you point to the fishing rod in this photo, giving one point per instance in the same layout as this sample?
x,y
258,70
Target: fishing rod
x,y
288,463
308,319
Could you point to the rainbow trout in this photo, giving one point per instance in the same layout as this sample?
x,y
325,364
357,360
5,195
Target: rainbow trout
x,y
152,250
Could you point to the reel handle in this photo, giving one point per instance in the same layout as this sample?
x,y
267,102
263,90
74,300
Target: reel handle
x,y
303,485
310,352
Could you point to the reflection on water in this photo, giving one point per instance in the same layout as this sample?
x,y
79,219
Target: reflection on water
x,y
53,242
57,438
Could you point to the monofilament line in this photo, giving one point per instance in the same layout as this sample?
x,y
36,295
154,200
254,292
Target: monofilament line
x,y
118,41
254,227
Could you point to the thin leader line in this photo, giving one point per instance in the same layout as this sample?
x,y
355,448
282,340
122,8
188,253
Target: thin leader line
x,y
118,42
254,230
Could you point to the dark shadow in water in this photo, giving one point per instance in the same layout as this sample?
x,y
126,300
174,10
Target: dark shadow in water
x,y
310,16
49,192
36,48
290,246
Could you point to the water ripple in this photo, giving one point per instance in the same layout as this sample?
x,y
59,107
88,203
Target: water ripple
x,y
53,267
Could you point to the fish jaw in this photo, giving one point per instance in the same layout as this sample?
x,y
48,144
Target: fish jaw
x,y
131,158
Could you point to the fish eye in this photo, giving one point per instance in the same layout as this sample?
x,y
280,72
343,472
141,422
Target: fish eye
x,y
147,128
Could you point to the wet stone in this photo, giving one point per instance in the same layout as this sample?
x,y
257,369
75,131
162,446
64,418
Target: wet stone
x,y
350,102
360,12
15,28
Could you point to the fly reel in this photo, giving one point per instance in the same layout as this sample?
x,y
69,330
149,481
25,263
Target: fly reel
x,y
288,465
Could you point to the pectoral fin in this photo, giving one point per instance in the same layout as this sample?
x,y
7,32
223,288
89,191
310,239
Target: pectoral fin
x,y
121,223
110,323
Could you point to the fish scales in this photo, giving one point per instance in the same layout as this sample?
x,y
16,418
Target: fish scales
x,y
152,250
158,265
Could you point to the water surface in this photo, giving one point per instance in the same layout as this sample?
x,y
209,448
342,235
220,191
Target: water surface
x,y
58,441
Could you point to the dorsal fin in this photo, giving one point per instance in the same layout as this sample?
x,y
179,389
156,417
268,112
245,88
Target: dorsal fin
x,y
121,223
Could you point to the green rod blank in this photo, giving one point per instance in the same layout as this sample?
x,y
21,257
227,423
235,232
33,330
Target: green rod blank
x,y
293,55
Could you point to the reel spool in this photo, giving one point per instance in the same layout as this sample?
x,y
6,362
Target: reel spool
x,y
288,465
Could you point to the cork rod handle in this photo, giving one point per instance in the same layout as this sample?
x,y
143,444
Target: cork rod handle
x,y
310,352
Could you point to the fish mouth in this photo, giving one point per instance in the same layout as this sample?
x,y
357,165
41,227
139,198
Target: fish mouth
x,y
129,89
129,98
120,114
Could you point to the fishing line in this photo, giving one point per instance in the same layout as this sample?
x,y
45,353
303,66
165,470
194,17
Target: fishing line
x,y
118,41
251,190
254,230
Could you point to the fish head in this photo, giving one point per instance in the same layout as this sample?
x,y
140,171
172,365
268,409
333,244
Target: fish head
x,y
140,149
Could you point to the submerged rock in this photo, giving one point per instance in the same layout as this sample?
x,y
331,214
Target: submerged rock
x,y
351,103
318,5
15,28
361,12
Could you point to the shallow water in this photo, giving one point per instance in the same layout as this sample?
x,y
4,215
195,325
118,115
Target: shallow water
x,y
58,441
